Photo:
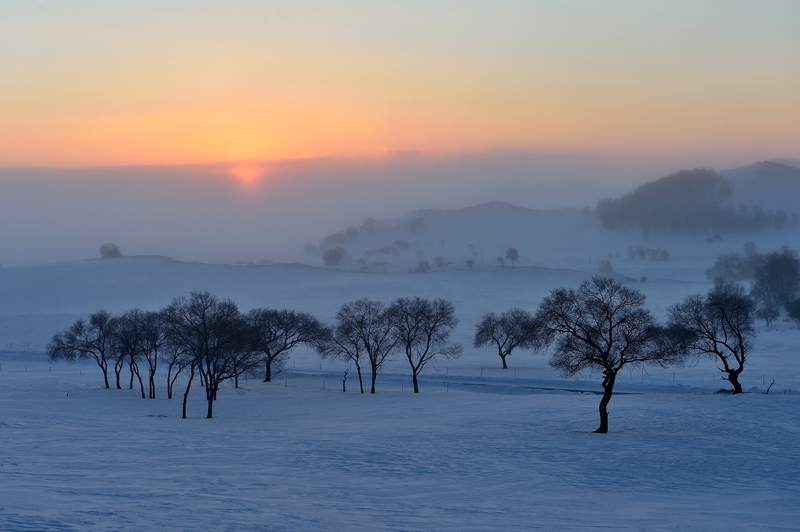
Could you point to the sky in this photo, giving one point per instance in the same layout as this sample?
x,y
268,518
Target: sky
x,y
223,130
96,83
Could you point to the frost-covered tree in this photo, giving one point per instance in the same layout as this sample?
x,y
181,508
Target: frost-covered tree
x,y
84,339
601,326
277,332
421,329
719,325
512,329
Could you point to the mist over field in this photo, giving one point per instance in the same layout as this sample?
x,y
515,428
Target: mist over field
x,y
207,213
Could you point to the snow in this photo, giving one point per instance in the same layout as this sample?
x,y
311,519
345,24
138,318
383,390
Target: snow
x,y
479,449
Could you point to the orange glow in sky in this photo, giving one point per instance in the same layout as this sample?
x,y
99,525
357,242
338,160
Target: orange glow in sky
x,y
87,84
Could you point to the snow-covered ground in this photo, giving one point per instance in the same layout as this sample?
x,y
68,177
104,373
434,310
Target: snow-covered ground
x,y
479,449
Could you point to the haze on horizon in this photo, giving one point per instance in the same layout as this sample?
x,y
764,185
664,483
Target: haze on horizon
x,y
213,132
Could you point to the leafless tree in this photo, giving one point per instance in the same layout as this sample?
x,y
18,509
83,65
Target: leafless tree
x,y
216,337
511,329
152,340
344,343
363,331
603,326
421,329
277,332
84,339
125,333
719,325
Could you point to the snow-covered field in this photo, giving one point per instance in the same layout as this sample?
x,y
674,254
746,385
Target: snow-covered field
x,y
479,449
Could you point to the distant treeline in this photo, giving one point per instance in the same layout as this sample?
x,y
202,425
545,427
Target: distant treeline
x,y
687,202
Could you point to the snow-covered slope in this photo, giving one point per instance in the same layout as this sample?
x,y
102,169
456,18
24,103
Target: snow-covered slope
x,y
769,185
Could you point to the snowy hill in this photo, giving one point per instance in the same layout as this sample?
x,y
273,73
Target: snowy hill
x,y
767,184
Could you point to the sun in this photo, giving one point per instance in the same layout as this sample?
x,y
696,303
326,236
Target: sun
x,y
248,175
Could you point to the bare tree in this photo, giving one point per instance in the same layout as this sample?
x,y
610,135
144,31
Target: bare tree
x,y
363,330
175,355
718,325
344,342
600,326
470,263
217,339
84,340
152,339
511,329
277,332
125,334
422,328
513,255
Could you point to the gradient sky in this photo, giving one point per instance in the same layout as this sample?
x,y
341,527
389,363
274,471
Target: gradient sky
x,y
92,83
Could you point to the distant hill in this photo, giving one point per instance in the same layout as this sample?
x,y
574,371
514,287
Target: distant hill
x,y
770,185
754,198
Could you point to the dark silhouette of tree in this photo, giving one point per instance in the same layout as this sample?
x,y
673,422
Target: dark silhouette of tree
x,y
332,257
512,329
83,340
605,267
423,266
110,251
363,330
777,281
512,255
793,309
174,355
152,340
421,329
125,337
277,332
216,337
602,326
718,325
470,263
501,261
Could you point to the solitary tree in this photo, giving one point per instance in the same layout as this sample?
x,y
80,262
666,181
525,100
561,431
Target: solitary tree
x,y
718,325
110,251
512,255
600,326
511,329
332,257
277,332
421,329
83,340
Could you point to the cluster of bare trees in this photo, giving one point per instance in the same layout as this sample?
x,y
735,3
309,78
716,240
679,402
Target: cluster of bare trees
x,y
201,336
209,339
604,326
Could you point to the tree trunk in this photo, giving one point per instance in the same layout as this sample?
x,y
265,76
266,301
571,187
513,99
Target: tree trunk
x,y
211,397
374,376
152,391
186,393
503,358
733,378
414,378
130,367
141,384
104,367
608,389
268,375
360,380
118,367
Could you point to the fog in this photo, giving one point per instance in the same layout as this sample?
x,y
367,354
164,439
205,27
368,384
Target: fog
x,y
204,213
